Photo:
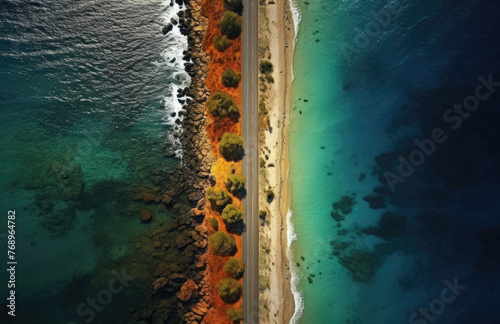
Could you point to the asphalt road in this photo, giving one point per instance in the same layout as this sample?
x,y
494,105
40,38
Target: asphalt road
x,y
250,121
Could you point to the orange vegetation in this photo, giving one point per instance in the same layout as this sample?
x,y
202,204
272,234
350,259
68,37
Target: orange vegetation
x,y
230,58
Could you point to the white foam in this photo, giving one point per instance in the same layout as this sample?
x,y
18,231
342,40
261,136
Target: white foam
x,y
297,18
290,232
173,62
297,297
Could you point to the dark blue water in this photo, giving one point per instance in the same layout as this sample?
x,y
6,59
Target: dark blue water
x,y
88,91
371,80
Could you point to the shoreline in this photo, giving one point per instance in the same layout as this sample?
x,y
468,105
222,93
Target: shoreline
x,y
280,27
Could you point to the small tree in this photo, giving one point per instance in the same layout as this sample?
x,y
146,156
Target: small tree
x,y
262,162
230,24
214,223
221,42
235,314
230,78
234,5
266,67
221,104
235,183
218,198
229,290
235,267
270,194
231,215
231,147
222,243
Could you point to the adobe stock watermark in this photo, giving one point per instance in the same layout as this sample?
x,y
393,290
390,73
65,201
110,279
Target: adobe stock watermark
x,y
381,20
454,117
437,306
87,309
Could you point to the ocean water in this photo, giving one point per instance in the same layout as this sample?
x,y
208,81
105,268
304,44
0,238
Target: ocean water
x,y
373,239
88,101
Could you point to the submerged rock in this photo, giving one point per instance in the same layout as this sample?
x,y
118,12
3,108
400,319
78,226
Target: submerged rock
x,y
389,226
375,201
160,283
345,205
145,215
335,215
361,264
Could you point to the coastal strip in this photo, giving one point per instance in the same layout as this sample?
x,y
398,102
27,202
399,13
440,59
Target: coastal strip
x,y
276,45
173,263
224,207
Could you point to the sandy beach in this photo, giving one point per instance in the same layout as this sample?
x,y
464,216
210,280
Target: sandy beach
x,y
281,36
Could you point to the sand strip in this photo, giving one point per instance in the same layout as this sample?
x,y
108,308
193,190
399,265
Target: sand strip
x,y
281,38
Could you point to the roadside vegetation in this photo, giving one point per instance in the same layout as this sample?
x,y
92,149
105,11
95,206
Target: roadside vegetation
x,y
221,105
232,216
225,213
214,223
222,243
235,183
266,67
231,146
235,314
229,290
230,78
218,198
234,5
235,267
221,42
230,24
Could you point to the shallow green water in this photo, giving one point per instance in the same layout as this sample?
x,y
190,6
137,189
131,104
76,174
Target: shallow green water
x,y
88,92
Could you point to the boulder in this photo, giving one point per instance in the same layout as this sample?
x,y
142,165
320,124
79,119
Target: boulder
x,y
188,290
166,29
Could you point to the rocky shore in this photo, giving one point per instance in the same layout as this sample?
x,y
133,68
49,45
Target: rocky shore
x,y
175,253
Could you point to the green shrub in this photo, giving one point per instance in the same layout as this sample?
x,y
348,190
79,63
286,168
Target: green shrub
x,y
262,107
263,283
262,162
262,78
230,24
221,42
222,243
232,216
221,104
235,267
218,198
235,314
269,194
235,183
262,213
234,5
231,147
266,67
214,223
229,290
230,78
269,78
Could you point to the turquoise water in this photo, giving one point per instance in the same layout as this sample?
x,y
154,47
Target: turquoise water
x,y
357,103
87,100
